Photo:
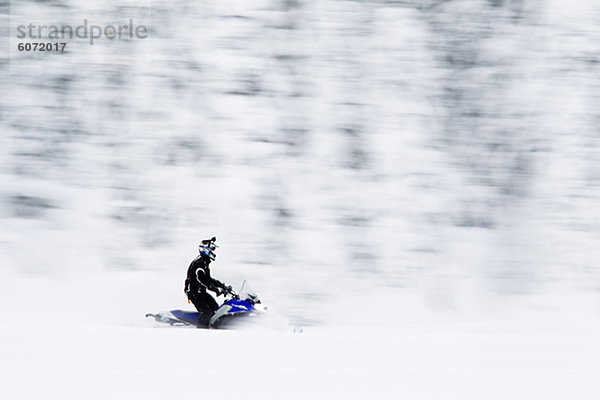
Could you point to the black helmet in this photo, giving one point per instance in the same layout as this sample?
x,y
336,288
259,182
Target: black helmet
x,y
208,247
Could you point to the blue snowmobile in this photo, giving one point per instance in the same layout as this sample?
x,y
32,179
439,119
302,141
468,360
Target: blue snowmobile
x,y
235,309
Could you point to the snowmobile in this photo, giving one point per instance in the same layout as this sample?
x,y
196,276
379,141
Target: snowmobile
x,y
237,307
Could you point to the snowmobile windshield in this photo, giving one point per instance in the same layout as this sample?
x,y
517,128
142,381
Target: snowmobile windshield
x,y
246,292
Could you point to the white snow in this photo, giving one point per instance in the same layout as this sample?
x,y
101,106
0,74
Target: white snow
x,y
88,339
415,183
449,360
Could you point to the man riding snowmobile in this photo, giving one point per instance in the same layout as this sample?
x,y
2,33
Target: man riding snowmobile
x,y
198,281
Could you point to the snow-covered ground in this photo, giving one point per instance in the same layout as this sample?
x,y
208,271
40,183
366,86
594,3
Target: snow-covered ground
x,y
443,360
88,339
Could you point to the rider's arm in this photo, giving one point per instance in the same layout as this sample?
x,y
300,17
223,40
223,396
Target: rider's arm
x,y
208,282
223,288
218,283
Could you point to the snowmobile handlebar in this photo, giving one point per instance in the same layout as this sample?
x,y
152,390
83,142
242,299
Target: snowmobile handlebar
x,y
229,291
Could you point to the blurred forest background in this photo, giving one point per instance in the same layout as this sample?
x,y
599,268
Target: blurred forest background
x,y
446,150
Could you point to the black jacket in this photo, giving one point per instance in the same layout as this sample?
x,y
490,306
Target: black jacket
x,y
199,280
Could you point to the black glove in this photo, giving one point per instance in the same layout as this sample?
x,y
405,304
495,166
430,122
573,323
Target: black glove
x,y
219,291
226,289
232,293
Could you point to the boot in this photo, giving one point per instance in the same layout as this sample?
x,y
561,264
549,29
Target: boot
x,y
204,318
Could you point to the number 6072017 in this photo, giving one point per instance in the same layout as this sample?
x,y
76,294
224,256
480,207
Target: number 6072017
x,y
34,46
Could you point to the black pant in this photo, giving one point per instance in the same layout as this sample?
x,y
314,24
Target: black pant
x,y
206,306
